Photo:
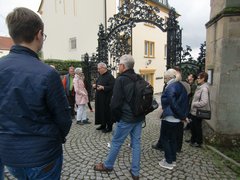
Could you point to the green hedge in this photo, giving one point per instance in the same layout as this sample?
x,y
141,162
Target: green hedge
x,y
63,65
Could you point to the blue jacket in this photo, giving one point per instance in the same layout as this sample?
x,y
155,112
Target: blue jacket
x,y
34,112
175,101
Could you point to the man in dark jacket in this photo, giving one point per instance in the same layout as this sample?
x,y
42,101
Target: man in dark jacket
x,y
127,123
104,87
34,112
174,102
69,89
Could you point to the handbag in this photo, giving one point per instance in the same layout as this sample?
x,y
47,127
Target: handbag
x,y
204,114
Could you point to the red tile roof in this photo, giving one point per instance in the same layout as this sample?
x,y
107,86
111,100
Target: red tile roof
x,y
5,43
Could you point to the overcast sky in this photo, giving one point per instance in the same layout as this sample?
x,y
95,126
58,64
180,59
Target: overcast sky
x,y
194,16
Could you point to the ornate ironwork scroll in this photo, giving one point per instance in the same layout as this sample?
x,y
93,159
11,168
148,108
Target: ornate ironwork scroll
x,y
174,40
117,37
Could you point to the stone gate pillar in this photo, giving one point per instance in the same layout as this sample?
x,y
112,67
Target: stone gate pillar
x,y
223,60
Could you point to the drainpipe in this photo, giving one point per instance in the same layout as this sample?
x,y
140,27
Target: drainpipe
x,y
105,14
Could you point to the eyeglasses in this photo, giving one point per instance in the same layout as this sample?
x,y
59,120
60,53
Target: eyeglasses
x,y
44,36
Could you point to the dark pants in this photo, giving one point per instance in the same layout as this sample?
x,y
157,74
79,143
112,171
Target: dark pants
x,y
160,140
89,106
170,140
196,130
180,136
71,102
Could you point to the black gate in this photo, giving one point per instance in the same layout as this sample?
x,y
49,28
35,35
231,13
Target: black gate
x,y
115,40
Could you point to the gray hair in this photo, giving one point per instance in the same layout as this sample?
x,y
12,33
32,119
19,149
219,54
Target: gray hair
x,y
127,60
78,70
170,73
102,64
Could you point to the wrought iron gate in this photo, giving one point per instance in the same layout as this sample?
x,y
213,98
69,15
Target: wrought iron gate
x,y
115,40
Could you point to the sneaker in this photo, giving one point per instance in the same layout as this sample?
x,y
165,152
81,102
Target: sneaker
x,y
174,163
164,164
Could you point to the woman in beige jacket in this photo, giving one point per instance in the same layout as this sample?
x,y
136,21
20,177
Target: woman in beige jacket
x,y
200,101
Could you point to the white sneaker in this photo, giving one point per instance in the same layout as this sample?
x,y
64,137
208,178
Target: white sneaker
x,y
174,163
163,163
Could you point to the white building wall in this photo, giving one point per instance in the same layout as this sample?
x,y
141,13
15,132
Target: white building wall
x,y
3,52
82,22
141,33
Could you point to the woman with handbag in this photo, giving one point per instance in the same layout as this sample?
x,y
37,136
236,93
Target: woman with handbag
x,y
200,102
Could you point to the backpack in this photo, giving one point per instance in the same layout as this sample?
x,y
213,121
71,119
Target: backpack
x,y
142,98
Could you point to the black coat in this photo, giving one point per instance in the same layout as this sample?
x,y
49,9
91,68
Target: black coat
x,y
103,98
122,94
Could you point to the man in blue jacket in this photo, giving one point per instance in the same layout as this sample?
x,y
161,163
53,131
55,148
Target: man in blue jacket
x,y
174,102
34,112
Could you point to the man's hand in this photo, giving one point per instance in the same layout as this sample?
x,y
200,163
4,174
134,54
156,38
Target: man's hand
x,y
99,87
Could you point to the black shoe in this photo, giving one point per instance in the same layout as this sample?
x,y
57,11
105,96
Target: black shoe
x,y
188,141
196,145
100,128
86,121
133,177
155,146
107,130
80,122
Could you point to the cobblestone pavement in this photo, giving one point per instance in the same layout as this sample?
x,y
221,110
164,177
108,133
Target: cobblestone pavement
x,y
86,146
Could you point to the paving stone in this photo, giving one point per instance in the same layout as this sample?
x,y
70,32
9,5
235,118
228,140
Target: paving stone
x,y
86,146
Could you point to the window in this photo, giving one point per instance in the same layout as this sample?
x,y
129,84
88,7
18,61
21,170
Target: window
x,y
73,43
149,49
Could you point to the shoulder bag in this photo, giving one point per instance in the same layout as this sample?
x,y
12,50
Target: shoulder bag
x,y
204,114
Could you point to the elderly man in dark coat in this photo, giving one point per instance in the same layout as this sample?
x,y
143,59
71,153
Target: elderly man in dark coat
x,y
104,87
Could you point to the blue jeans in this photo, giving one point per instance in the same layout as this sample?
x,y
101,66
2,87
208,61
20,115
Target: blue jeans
x,y
1,171
48,171
170,131
120,134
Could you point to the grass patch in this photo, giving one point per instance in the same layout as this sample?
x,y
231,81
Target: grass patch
x,y
233,153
